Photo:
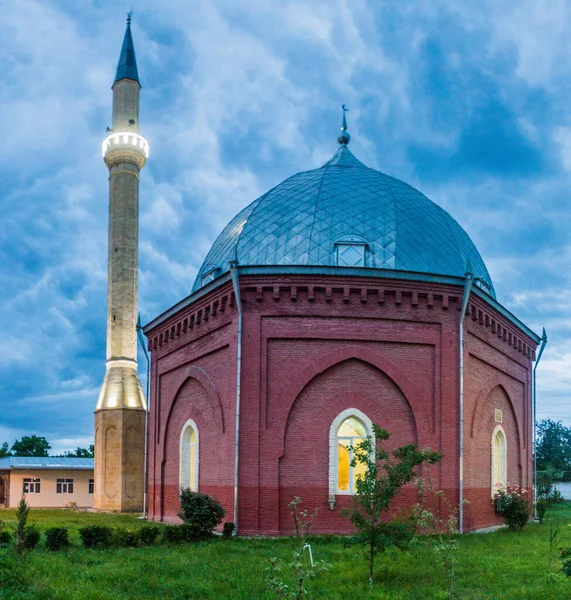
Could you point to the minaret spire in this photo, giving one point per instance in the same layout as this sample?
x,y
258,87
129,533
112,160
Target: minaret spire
x,y
127,66
121,407
344,136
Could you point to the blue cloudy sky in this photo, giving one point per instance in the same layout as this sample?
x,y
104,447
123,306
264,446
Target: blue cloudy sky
x,y
469,102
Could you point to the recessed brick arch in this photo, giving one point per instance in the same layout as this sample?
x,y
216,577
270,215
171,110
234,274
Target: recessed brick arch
x,y
192,372
206,411
485,392
326,362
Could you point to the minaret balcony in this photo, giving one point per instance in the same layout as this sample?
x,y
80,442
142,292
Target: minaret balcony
x,y
125,146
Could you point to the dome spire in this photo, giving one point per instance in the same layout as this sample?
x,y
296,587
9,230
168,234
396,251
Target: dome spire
x,y
127,67
344,136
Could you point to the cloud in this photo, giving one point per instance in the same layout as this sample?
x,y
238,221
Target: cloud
x,y
468,103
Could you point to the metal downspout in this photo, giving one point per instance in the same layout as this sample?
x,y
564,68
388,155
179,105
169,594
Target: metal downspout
x,y
541,349
236,286
469,280
148,399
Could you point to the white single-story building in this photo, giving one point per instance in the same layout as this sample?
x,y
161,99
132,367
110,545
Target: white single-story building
x,y
50,482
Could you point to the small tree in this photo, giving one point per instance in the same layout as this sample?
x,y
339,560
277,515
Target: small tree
x,y
385,473
4,450
437,516
21,520
303,570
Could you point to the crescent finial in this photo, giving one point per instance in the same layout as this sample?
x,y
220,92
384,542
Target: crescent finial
x,y
344,136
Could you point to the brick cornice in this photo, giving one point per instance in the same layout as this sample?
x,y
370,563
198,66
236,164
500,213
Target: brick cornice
x,y
338,291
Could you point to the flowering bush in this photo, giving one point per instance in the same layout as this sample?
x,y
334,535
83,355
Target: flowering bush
x,y
512,503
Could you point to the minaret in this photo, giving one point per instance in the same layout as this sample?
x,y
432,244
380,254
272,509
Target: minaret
x,y
121,408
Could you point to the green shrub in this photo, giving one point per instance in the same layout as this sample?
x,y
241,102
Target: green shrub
x,y
148,535
200,511
13,580
541,507
556,497
126,538
190,533
513,505
95,535
228,530
566,561
5,538
56,539
31,537
172,533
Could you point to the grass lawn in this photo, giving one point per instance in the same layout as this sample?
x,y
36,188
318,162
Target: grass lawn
x,y
500,565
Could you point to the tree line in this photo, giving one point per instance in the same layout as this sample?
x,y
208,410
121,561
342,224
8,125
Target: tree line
x,y
554,449
34,445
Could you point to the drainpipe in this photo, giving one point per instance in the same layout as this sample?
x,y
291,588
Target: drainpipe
x,y
469,280
236,286
145,473
541,349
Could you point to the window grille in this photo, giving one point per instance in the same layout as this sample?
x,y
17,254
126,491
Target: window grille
x,y
31,485
64,486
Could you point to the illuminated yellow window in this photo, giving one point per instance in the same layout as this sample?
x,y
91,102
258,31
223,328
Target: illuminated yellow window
x,y
350,433
499,460
189,456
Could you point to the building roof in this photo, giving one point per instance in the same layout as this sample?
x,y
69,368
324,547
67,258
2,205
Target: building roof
x,y
127,67
48,462
303,221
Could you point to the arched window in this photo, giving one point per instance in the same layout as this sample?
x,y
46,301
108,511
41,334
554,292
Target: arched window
x,y
189,456
347,431
499,460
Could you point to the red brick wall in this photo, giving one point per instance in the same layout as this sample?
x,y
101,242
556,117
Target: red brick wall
x,y
497,376
303,467
313,347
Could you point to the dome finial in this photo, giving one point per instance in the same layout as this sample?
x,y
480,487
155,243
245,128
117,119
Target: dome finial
x,y
344,136
129,17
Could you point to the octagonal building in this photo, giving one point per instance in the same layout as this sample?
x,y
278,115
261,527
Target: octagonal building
x,y
340,298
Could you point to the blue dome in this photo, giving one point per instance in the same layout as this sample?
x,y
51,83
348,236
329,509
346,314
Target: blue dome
x,y
345,214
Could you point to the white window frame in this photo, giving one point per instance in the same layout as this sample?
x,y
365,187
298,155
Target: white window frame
x,y
359,246
334,452
31,485
184,457
503,463
64,485
208,276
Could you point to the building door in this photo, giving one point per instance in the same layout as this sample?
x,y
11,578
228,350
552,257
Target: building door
x,y
2,492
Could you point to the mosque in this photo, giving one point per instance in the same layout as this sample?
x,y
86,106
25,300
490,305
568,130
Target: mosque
x,y
340,298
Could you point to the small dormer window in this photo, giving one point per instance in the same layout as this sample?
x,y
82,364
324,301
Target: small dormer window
x,y
208,276
483,284
351,252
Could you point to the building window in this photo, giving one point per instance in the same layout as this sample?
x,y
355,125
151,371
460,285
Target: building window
x,y
483,284
350,255
346,432
189,456
91,486
64,486
351,251
31,485
499,460
208,276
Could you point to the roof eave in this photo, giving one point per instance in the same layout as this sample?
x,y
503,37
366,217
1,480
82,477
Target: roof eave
x,y
343,271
